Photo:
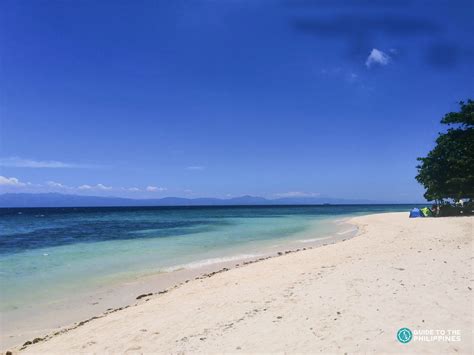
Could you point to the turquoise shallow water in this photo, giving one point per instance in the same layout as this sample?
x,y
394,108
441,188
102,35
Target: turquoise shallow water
x,y
49,253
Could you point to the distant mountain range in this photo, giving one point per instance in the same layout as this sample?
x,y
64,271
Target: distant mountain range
x,y
61,200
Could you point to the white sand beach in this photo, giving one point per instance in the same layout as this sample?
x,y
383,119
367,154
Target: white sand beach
x,y
351,296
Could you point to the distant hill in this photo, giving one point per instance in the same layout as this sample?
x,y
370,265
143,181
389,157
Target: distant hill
x,y
62,200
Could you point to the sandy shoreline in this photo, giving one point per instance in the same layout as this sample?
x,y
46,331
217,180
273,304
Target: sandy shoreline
x,y
350,296
42,319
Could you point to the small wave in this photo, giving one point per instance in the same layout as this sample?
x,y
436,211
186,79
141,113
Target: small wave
x,y
314,239
347,231
340,220
212,261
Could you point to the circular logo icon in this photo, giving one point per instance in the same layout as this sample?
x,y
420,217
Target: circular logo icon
x,y
404,335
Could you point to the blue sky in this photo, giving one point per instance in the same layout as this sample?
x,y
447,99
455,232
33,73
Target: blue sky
x,y
225,98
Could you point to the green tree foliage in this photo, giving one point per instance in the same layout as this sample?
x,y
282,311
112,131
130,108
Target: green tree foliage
x,y
448,170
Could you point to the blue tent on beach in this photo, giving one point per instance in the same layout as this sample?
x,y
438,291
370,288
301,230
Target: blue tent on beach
x,y
414,213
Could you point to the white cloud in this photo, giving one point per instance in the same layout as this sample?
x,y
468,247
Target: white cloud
x,y
297,194
55,184
12,181
377,57
16,162
95,187
133,189
196,167
103,187
155,189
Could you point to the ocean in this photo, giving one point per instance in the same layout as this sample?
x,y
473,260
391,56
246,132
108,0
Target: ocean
x,y
49,253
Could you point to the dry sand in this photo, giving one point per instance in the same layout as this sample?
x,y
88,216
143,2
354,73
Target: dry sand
x,y
351,296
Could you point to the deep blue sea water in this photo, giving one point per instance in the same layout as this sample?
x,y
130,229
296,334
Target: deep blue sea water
x,y
48,252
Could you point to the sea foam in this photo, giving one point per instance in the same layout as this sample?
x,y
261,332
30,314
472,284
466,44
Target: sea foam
x,y
206,262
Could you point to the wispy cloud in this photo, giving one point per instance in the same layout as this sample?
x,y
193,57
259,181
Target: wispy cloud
x,y
377,57
85,187
352,77
12,182
17,162
344,75
155,189
103,187
195,167
50,185
95,187
55,184
297,194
